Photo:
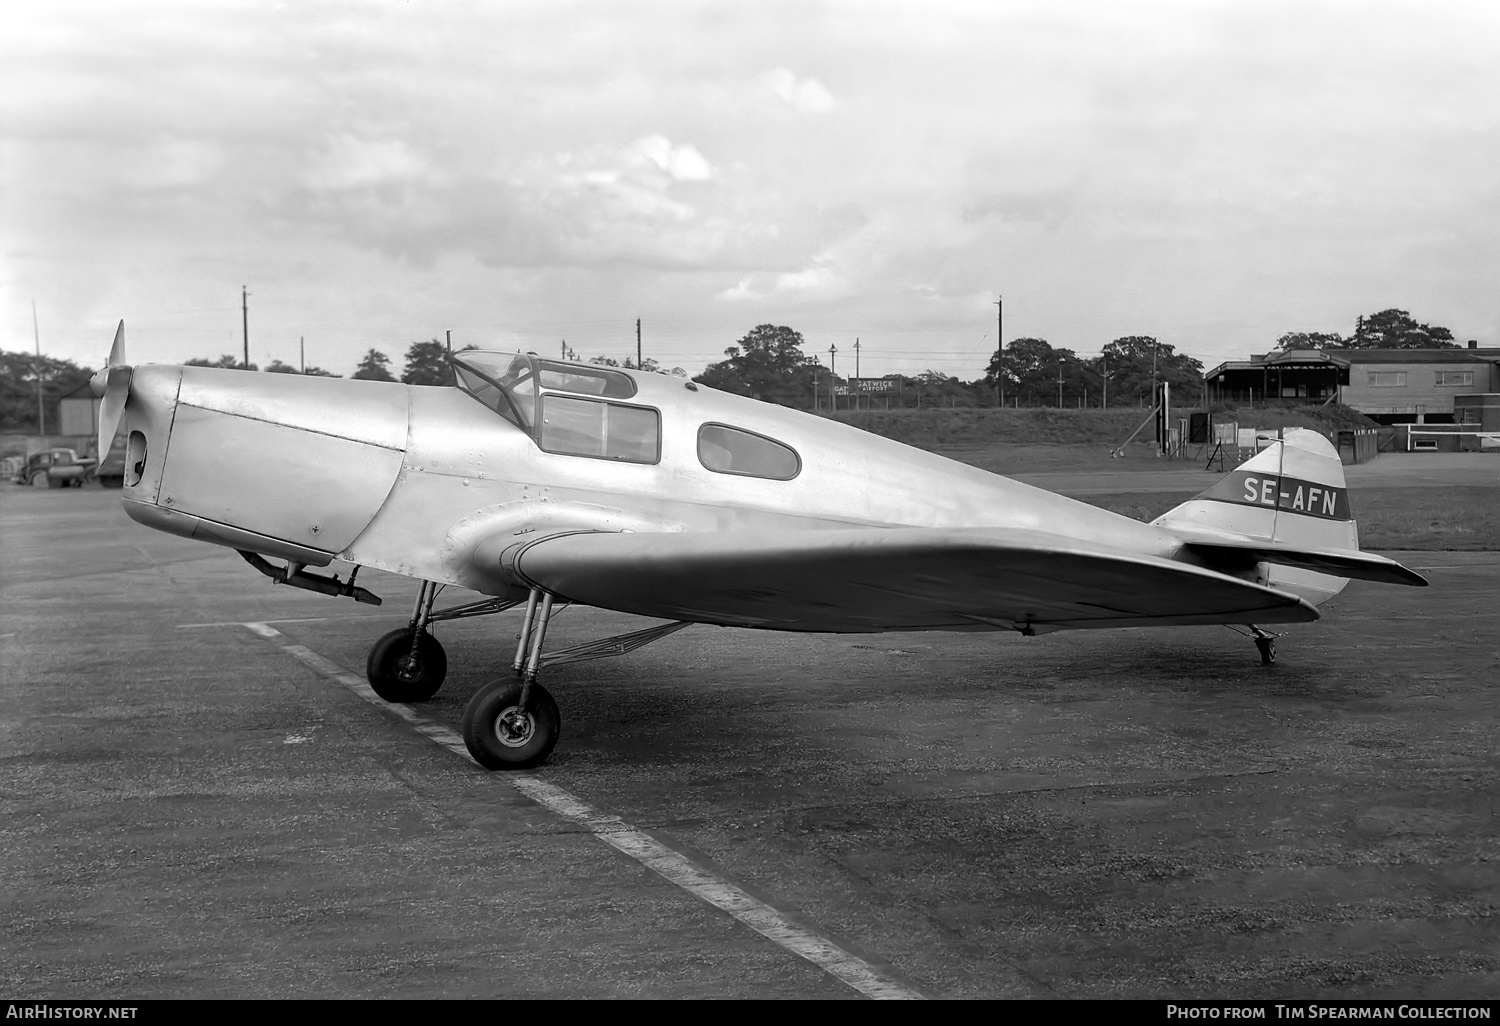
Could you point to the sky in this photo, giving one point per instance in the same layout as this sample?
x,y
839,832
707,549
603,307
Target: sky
x,y
1214,174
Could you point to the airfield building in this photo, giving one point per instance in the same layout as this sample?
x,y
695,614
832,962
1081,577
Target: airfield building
x,y
1392,386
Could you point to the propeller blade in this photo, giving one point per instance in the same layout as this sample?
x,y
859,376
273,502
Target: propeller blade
x,y
117,351
113,383
100,381
113,407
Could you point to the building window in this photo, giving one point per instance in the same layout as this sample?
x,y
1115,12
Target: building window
x,y
1461,378
1387,379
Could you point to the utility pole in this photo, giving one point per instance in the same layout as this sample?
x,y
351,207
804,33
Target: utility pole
x,y
833,377
36,333
639,365
856,373
1059,383
1153,370
245,321
448,340
302,352
1000,346
1104,358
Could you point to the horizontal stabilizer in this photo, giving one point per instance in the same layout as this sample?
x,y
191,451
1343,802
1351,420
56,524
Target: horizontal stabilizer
x,y
1216,546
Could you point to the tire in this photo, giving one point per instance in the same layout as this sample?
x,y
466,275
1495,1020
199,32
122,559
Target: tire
x,y
494,743
394,680
1267,651
112,482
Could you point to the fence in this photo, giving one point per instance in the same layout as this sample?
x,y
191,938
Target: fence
x,y
1448,438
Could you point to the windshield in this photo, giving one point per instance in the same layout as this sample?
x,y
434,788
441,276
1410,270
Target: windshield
x,y
502,381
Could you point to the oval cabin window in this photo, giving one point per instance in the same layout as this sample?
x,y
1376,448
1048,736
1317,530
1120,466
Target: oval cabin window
x,y
727,450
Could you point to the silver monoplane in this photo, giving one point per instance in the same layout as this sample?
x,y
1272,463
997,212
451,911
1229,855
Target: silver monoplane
x,y
536,482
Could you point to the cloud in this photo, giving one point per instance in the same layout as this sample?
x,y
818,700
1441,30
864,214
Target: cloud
x,y
684,163
806,95
1176,167
818,282
351,163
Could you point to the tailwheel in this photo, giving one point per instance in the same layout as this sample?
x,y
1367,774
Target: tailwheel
x,y
406,665
501,734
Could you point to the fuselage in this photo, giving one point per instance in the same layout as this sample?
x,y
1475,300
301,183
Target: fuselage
x,y
418,480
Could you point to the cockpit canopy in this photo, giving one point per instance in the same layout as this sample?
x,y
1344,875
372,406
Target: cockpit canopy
x,y
583,422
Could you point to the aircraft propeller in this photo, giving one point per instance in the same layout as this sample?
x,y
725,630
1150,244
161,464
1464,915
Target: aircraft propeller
x,y
113,383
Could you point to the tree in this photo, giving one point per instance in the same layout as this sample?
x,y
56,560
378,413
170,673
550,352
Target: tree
x,y
1311,340
373,367
1395,329
427,364
1130,359
939,389
652,367
19,373
227,362
277,367
1030,368
768,363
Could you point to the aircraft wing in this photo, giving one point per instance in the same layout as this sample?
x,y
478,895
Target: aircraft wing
x,y
861,580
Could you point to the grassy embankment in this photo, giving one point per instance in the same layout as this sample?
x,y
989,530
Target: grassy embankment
x,y
1457,517
1452,519
1018,441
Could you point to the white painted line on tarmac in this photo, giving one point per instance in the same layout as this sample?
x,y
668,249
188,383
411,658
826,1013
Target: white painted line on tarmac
x,y
669,864
284,619
333,671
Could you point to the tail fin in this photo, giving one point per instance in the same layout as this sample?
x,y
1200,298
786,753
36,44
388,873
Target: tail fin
x,y
1286,506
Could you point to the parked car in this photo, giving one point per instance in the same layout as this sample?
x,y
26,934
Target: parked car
x,y
56,468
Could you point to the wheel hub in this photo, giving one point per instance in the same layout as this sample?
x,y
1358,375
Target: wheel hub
x,y
514,727
408,669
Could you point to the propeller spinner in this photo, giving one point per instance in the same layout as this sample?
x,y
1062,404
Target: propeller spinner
x,y
113,383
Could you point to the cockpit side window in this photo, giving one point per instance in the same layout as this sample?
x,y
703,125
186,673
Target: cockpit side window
x,y
591,380
730,450
608,431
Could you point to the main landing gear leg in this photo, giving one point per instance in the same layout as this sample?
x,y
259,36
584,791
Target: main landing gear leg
x,y
515,725
408,664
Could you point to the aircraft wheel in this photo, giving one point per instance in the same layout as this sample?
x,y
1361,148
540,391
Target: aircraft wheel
x,y
1267,651
501,735
112,482
396,676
